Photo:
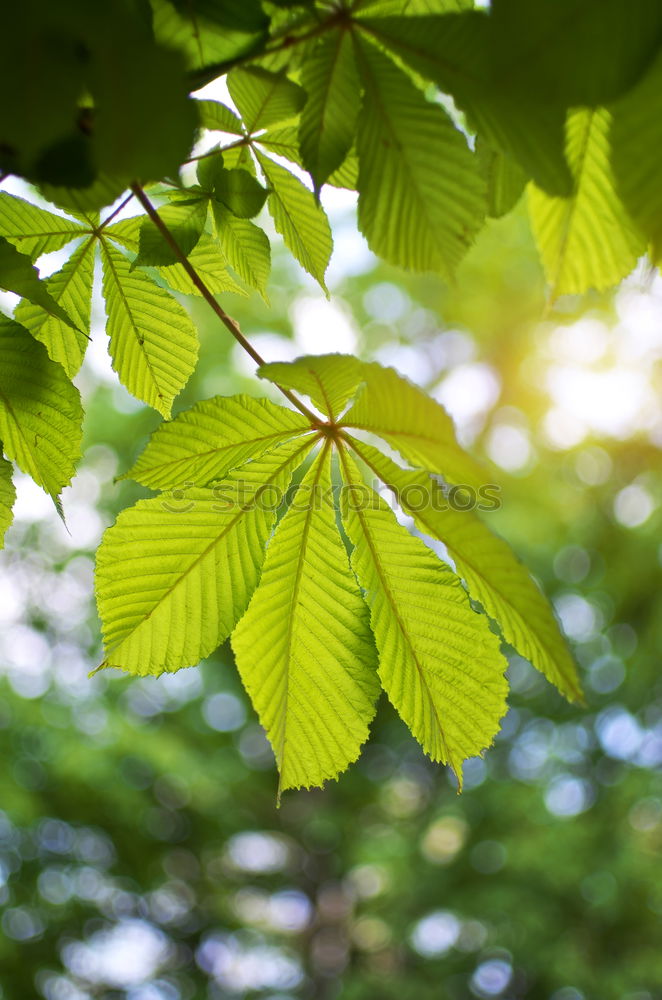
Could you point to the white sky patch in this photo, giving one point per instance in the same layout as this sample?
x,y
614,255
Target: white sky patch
x,y
322,327
469,392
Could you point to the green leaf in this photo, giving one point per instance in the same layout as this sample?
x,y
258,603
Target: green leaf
x,y
636,157
205,44
573,53
144,120
505,179
126,232
454,51
209,265
330,380
18,275
439,662
421,197
104,191
586,240
347,174
492,572
7,497
264,98
33,230
245,247
185,220
304,649
174,574
413,423
237,189
328,119
202,444
153,342
283,142
299,219
40,410
71,288
218,118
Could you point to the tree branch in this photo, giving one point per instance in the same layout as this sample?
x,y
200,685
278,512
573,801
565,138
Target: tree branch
x,y
227,321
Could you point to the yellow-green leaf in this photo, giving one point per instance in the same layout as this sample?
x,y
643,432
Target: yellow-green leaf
x,y
40,410
439,662
7,497
304,648
492,572
153,342
71,288
202,444
298,218
175,573
586,240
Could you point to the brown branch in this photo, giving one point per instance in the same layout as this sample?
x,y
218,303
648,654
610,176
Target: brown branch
x,y
227,321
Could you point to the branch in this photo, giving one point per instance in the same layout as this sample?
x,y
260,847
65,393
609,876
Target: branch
x,y
227,321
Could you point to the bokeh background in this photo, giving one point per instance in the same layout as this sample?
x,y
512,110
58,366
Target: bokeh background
x,y
142,855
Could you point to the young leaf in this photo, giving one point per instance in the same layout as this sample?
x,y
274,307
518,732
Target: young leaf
x,y
328,119
153,342
237,189
174,575
40,411
586,240
304,648
245,247
439,662
493,574
413,423
264,98
299,219
33,230
7,497
71,288
421,197
18,275
209,265
202,444
329,379
185,220
217,117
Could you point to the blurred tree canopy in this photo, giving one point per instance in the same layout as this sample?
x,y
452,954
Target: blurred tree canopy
x,y
516,158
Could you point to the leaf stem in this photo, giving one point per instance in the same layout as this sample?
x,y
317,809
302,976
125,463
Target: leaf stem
x,y
227,321
122,204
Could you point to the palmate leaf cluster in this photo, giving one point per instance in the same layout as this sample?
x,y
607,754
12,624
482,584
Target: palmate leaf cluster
x,y
317,633
440,116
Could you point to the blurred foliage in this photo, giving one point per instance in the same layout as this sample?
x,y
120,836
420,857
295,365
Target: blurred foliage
x,y
142,854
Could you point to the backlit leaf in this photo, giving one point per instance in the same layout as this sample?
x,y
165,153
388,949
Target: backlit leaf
x,y
264,98
585,240
71,288
439,662
299,219
202,444
7,497
304,648
40,410
153,342
328,119
174,574
421,198
492,572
